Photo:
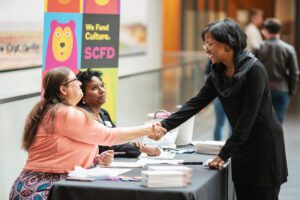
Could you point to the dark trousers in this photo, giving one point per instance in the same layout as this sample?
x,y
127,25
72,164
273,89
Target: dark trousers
x,y
244,192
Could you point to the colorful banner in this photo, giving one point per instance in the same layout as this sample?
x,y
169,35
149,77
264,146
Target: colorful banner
x,y
100,41
82,34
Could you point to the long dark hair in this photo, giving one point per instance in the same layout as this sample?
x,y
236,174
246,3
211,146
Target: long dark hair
x,y
52,82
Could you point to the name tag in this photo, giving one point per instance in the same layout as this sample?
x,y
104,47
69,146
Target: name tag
x,y
108,124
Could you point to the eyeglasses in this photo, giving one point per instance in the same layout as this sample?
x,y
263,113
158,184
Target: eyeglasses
x,y
66,83
208,45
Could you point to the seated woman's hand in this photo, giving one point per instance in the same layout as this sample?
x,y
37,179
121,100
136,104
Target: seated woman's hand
x,y
105,158
150,151
157,131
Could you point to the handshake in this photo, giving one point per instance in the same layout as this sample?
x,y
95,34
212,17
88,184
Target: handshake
x,y
157,131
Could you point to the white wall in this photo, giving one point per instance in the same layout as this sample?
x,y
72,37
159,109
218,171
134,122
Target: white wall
x,y
22,13
152,58
12,158
12,120
22,82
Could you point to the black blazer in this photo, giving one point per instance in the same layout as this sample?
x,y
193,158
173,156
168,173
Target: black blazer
x,y
256,146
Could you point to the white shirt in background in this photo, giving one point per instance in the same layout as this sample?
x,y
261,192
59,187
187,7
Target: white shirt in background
x,y
253,36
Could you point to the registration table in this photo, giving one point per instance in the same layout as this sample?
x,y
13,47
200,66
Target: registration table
x,y
206,184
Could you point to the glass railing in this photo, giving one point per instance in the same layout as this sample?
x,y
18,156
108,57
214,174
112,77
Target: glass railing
x,y
180,78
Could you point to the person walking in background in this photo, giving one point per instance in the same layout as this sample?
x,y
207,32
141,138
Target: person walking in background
x,y
252,30
256,146
280,60
59,136
94,96
220,116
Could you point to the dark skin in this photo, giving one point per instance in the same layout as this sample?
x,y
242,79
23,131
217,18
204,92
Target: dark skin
x,y
95,97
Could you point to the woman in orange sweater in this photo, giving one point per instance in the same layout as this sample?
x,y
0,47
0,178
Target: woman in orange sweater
x,y
58,136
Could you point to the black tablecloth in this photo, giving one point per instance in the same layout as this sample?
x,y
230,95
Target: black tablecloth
x,y
206,185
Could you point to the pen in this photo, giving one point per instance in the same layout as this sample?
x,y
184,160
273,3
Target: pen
x,y
192,163
120,153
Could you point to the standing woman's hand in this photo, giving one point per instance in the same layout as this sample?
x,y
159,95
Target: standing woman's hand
x,y
216,163
105,158
157,131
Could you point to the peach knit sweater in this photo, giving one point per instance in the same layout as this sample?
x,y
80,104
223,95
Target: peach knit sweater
x,y
72,142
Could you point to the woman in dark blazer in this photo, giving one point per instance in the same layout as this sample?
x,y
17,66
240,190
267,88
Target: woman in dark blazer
x,y
256,146
94,96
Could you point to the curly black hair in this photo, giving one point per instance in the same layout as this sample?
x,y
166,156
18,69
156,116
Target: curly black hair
x,y
85,76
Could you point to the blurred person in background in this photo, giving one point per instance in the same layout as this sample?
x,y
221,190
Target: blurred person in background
x,y
280,60
252,30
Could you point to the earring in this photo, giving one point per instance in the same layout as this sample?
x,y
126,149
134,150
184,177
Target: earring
x,y
63,99
83,102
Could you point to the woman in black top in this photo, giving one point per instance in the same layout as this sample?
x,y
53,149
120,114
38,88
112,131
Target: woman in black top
x,y
256,146
94,96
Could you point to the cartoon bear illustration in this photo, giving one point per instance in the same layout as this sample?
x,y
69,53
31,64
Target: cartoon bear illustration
x,y
62,46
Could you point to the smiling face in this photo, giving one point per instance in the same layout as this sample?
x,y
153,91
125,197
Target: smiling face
x,y
95,94
217,52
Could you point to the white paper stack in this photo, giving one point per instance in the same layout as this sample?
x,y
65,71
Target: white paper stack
x,y
208,146
187,170
163,155
96,173
147,161
116,164
170,178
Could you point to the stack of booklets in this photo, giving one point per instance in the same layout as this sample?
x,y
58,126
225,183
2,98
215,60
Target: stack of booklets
x,y
167,178
208,146
187,170
163,155
80,173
